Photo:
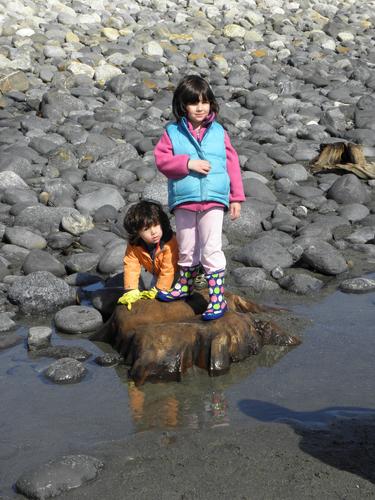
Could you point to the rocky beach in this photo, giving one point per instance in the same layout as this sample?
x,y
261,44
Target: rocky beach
x,y
85,92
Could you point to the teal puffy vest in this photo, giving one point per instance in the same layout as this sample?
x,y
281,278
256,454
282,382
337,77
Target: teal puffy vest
x,y
196,187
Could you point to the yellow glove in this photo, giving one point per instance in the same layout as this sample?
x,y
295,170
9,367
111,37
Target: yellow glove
x,y
149,294
129,298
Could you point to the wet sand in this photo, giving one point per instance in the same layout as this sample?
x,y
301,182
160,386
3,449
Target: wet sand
x,y
267,461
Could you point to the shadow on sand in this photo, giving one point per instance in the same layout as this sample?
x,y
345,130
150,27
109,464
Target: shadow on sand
x,y
342,437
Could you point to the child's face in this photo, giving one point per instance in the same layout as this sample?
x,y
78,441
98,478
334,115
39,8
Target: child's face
x,y
198,112
152,235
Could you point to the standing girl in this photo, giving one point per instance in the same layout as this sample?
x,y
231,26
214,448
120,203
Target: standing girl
x,y
204,180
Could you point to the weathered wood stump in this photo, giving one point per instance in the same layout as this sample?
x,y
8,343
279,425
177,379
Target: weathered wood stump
x,y
163,340
343,156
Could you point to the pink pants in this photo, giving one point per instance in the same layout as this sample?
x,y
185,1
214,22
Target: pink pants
x,y
199,238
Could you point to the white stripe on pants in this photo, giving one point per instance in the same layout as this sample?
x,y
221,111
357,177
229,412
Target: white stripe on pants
x,y
199,238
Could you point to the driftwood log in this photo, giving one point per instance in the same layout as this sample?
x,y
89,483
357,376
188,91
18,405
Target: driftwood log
x,y
163,340
343,156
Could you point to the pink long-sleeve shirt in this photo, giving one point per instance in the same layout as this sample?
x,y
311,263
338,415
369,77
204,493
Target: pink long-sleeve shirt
x,y
175,167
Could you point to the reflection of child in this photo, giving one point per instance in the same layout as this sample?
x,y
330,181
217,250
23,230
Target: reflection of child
x,y
153,246
217,407
152,413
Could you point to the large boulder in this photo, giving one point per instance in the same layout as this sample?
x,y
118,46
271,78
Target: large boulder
x,y
324,258
41,293
348,189
265,252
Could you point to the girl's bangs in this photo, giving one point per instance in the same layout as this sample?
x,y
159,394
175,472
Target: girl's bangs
x,y
193,96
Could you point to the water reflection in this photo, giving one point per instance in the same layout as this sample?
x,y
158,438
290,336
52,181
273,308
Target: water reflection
x,y
199,401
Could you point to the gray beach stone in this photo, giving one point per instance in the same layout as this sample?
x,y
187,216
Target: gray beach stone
x,y
315,230
324,258
65,371
249,224
112,259
294,172
348,189
254,278
10,179
354,212
78,319
362,235
10,79
8,340
59,241
157,190
257,189
266,253
21,236
14,254
40,293
301,284
97,238
76,223
82,262
14,196
109,359
306,192
39,260
82,279
105,213
45,219
38,337
6,323
260,163
18,165
357,285
58,476
90,202
102,172
364,115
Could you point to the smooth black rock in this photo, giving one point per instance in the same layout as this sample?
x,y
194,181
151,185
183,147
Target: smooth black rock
x,y
65,371
109,359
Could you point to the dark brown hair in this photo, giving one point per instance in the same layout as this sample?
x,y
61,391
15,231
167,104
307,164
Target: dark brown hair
x,y
190,90
143,215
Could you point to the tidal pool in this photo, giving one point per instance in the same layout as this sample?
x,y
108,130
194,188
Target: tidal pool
x,y
331,373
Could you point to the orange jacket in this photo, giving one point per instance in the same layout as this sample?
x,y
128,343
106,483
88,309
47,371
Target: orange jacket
x,y
164,264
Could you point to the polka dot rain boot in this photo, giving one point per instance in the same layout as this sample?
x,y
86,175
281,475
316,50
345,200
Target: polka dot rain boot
x,y
183,287
217,305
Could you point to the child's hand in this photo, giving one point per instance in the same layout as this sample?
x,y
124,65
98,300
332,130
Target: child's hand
x,y
200,166
235,210
129,298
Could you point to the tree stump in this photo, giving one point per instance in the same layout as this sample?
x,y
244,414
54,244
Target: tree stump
x,y
162,340
343,156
